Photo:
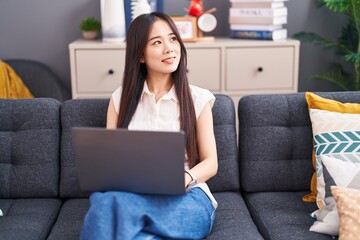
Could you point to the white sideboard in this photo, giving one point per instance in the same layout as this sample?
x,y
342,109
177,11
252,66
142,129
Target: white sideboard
x,y
230,66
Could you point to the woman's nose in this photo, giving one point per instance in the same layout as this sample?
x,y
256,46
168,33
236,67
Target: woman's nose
x,y
168,48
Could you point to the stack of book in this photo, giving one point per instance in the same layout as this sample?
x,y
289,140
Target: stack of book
x,y
258,19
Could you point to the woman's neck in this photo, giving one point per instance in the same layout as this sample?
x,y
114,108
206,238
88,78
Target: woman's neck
x,y
158,85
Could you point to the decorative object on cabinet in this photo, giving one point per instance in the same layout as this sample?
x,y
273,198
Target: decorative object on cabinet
x,y
113,20
90,28
225,65
186,27
196,8
205,21
260,20
155,6
139,7
347,46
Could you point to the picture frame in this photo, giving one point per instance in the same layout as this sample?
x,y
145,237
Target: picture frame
x,y
187,28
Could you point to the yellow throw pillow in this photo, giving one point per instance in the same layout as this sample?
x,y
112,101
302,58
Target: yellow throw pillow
x,y
11,85
316,102
347,203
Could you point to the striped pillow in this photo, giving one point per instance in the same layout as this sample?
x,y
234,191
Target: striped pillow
x,y
335,135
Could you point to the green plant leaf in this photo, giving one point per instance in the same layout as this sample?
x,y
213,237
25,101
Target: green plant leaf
x,y
337,76
352,57
337,5
315,38
90,24
349,37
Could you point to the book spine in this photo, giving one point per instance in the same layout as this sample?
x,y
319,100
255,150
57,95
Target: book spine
x,y
258,20
251,27
258,12
257,4
258,0
244,34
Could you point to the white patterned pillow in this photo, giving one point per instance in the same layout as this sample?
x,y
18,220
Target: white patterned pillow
x,y
347,202
336,135
339,173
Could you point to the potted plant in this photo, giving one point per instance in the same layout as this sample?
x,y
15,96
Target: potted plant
x,y
347,45
90,27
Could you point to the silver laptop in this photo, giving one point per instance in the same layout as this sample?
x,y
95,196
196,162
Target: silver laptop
x,y
133,161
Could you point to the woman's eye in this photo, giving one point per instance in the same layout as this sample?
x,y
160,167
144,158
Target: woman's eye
x,y
173,39
157,42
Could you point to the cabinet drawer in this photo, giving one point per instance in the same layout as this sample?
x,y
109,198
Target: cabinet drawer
x,y
204,68
261,68
99,71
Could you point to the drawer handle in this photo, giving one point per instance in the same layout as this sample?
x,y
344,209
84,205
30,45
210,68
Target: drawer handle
x,y
260,69
111,71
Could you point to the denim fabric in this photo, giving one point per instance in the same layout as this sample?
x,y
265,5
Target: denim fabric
x,y
122,215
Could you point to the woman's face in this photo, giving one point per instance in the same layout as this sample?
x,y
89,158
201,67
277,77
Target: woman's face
x,y
162,52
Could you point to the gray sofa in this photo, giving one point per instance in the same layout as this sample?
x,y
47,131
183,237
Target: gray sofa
x,y
259,185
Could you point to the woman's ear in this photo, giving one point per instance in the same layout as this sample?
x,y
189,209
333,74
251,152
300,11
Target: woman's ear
x,y
142,60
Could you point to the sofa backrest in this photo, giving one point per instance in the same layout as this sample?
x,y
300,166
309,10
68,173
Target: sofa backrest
x,y
77,113
92,113
29,148
227,177
275,141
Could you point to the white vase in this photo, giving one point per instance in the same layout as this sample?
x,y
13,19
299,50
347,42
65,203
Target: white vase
x,y
113,20
139,7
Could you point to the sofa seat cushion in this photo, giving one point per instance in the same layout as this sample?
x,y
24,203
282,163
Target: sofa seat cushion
x,y
233,220
28,218
282,215
69,222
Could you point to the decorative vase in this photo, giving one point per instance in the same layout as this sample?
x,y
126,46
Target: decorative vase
x,y
113,20
90,35
139,7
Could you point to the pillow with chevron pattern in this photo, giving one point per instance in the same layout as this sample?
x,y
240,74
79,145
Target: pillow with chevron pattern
x,y
336,135
339,173
314,101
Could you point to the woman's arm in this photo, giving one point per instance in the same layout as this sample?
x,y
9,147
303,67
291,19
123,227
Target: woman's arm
x,y
208,165
112,116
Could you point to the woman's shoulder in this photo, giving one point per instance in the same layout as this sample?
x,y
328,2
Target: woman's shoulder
x,y
201,97
116,95
199,93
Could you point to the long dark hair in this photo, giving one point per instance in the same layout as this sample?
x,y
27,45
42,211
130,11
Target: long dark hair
x,y
135,75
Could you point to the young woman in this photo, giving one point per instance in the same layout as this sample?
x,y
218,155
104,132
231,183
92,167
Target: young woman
x,y
156,95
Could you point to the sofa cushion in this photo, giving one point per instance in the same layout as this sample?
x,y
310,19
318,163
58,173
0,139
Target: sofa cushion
x,y
69,222
29,148
282,215
347,201
335,135
232,220
77,113
316,102
275,143
227,178
29,219
275,140
336,172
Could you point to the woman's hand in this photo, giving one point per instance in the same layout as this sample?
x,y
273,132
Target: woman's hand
x,y
187,179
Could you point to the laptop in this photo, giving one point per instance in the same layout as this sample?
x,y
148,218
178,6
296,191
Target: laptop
x,y
149,162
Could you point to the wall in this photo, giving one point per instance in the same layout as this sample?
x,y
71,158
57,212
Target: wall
x,y
42,29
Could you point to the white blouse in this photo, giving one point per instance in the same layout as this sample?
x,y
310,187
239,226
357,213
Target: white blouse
x,y
164,114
